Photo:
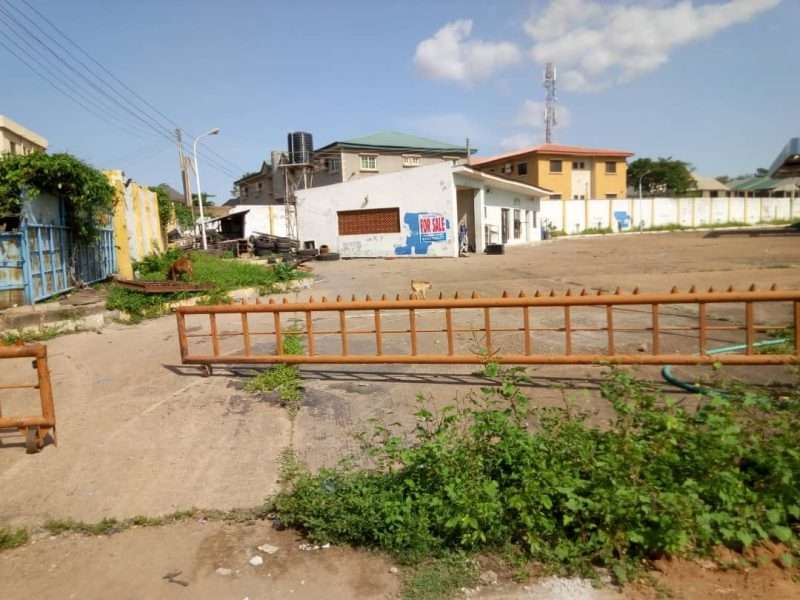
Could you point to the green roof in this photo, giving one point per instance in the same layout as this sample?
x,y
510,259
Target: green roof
x,y
394,139
754,184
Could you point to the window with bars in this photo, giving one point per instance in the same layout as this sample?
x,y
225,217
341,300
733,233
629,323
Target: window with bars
x,y
410,160
362,222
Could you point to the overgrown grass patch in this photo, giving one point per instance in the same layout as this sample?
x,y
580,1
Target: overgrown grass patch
x,y
282,378
9,338
494,472
11,538
225,274
440,578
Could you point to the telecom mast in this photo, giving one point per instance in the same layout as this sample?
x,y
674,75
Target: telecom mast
x,y
550,102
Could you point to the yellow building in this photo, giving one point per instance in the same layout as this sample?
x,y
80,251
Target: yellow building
x,y
137,227
572,172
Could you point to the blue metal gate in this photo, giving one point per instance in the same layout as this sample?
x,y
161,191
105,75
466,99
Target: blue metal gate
x,y
42,261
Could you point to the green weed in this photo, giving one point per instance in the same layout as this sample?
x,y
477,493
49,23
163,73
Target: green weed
x,y
493,471
11,538
440,578
9,338
282,378
596,230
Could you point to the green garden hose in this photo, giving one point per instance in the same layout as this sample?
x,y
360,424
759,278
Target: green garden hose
x,y
666,371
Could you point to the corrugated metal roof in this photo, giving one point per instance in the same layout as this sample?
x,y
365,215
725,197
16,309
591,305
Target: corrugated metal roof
x,y
394,139
758,184
787,164
556,149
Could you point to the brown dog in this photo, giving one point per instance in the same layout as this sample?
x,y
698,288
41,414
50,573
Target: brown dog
x,y
182,266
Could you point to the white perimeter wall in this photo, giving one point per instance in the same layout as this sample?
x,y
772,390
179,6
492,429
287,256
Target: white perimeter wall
x,y
262,218
414,191
571,215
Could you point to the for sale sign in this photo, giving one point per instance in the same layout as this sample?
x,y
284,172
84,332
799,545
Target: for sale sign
x,y
432,227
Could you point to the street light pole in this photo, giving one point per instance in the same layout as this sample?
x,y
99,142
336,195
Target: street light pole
x,y
214,131
641,221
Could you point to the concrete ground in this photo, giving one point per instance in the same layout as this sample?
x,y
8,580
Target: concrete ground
x,y
140,434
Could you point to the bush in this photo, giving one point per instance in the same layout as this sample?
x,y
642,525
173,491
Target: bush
x,y
11,538
661,480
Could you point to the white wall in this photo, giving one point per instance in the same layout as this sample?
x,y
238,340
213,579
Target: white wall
x,y
414,191
573,216
269,219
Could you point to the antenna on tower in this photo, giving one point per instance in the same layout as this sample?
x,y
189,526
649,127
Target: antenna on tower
x,y
550,102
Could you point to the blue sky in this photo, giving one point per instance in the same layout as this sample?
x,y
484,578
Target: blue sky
x,y
708,82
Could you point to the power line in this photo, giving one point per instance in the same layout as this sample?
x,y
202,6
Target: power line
x,y
166,118
62,90
150,124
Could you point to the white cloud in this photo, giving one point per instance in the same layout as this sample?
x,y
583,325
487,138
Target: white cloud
x,y
596,45
450,54
532,115
519,140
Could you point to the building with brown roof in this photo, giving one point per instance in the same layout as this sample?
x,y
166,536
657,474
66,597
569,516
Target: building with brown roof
x,y
572,172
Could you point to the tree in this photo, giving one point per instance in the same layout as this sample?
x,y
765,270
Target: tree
x,y
723,179
206,201
662,175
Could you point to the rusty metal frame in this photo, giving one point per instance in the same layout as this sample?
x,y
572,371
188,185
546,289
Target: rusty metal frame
x,y
36,427
526,304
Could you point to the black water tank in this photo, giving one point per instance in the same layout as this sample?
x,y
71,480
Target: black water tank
x,y
301,145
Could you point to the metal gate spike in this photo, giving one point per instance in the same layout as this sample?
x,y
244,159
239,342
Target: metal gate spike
x,y
569,292
504,294
258,300
521,294
773,287
455,296
617,291
552,293
752,287
271,301
441,295
338,298
311,299
285,300
583,292
710,289
474,294
636,290
674,289
692,289
367,298
397,298
353,298
324,299
383,297
730,288
536,294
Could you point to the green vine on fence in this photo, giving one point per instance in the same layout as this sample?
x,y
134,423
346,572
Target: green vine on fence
x,y
87,193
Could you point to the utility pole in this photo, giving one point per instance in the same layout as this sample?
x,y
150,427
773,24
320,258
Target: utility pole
x,y
187,186
550,102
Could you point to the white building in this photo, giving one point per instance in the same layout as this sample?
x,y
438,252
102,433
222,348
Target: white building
x,y
419,212
16,139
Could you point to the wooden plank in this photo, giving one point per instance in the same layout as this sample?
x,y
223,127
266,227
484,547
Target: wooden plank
x,y
343,332
310,333
246,334
567,331
702,327
378,333
656,344
276,318
610,328
412,324
750,332
448,314
212,318
526,327
487,327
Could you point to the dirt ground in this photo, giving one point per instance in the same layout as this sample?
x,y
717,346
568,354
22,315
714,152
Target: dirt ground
x,y
140,434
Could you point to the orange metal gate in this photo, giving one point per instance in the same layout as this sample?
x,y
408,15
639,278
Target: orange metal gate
x,y
511,330
34,427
